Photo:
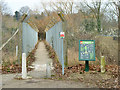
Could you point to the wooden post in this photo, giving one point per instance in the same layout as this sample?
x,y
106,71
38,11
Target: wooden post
x,y
102,64
24,69
20,38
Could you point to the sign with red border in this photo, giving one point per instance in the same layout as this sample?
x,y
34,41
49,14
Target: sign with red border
x,y
62,35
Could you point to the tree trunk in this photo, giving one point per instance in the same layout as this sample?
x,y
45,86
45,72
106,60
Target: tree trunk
x,y
98,24
119,20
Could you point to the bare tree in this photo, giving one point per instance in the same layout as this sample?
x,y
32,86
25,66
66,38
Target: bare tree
x,y
25,10
117,5
44,5
71,6
116,11
64,7
96,8
4,8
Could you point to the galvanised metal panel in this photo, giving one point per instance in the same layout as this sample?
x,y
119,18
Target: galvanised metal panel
x,y
52,37
29,38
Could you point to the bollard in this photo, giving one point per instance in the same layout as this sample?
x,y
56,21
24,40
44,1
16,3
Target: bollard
x,y
102,64
16,51
48,71
24,69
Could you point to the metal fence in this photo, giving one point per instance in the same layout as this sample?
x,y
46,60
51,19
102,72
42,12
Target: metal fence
x,y
0,38
23,40
52,37
0,50
9,50
29,38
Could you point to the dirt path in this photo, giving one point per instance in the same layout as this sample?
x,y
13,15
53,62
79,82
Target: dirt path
x,y
41,62
43,83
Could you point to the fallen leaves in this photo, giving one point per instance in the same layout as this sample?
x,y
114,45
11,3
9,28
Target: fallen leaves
x,y
17,68
94,75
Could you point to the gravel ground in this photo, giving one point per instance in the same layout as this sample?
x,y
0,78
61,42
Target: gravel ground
x,y
43,83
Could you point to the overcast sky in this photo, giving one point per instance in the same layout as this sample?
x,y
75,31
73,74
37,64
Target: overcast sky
x,y
15,5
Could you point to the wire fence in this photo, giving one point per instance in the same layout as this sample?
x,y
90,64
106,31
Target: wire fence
x,y
10,49
53,38
30,38
0,50
23,40
0,38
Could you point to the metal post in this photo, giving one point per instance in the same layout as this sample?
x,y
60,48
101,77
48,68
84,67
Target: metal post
x,y
24,69
48,70
86,66
62,59
1,51
16,51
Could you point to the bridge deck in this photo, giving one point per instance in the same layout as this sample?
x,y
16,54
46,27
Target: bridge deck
x,y
41,61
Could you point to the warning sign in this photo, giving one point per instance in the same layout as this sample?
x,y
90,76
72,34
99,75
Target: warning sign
x,y
62,35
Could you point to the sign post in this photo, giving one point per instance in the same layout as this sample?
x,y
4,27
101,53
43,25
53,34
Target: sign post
x,y
86,66
62,35
86,52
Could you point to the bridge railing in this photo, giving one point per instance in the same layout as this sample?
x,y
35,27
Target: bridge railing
x,y
29,38
52,37
22,40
